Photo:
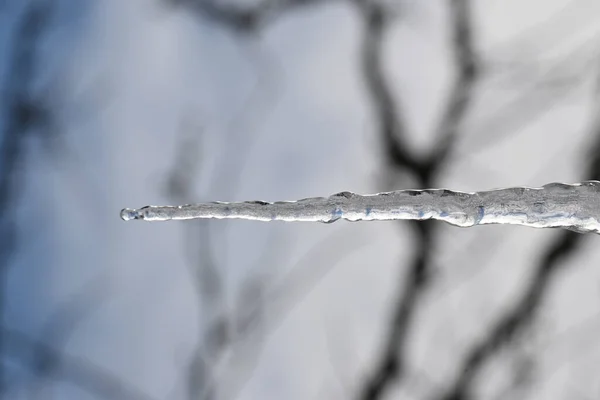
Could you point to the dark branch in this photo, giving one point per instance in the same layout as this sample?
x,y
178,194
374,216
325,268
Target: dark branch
x,y
239,18
518,318
462,94
391,364
522,314
22,114
390,119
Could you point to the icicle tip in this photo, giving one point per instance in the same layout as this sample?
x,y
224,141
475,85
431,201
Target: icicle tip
x,y
127,214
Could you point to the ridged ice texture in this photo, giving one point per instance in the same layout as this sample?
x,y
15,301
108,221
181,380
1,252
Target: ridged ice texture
x,y
575,207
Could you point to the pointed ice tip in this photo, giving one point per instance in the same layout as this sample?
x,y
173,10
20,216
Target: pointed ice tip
x,y
127,214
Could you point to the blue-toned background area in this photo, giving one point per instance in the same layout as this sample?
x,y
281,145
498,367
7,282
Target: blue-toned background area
x,y
109,104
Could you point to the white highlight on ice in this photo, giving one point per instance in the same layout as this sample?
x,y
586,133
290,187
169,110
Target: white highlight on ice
x,y
575,207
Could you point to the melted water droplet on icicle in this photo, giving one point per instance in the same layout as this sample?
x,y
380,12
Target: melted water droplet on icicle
x,y
127,214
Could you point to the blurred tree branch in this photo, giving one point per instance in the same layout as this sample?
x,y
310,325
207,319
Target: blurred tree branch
x,y
399,158
243,19
22,114
534,100
391,363
516,320
74,370
522,314
221,326
234,337
26,113
57,331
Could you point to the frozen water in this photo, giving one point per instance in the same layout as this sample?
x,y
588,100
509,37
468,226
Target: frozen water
x,y
575,207
128,214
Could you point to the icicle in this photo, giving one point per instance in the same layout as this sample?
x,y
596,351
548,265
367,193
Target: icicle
x,y
575,207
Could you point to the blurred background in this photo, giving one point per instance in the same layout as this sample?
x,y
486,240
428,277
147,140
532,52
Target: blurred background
x,y
124,103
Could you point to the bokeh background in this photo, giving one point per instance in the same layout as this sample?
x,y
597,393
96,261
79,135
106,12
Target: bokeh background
x,y
122,103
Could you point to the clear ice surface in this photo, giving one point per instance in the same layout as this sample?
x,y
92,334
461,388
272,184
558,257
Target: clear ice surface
x,y
571,206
